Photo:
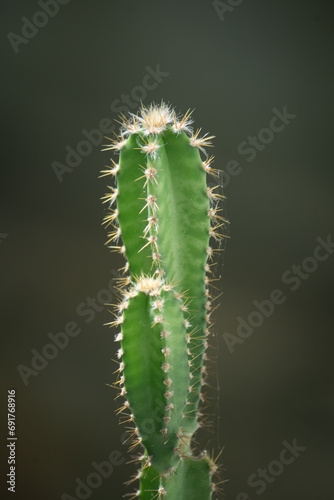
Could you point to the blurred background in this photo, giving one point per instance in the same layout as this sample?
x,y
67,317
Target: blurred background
x,y
66,75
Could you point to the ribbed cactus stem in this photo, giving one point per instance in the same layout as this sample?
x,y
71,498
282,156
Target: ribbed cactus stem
x,y
162,215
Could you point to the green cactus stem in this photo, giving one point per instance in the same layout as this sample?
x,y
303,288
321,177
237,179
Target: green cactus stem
x,y
163,216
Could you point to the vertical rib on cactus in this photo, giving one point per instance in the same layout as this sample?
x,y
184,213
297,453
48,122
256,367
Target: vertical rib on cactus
x,y
164,211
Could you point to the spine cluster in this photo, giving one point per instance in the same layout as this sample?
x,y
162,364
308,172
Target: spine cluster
x,y
165,221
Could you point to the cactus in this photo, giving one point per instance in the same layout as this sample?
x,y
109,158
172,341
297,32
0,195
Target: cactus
x,y
163,216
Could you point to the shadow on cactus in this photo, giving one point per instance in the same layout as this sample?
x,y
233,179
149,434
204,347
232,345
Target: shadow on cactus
x,y
166,222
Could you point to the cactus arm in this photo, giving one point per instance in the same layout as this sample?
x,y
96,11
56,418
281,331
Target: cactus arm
x,y
155,370
144,379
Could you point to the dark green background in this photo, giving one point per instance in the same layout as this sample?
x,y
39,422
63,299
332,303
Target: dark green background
x,y
277,385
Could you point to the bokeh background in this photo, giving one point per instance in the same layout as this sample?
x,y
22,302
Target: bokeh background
x,y
234,65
